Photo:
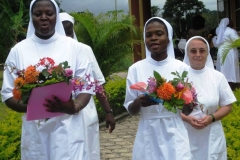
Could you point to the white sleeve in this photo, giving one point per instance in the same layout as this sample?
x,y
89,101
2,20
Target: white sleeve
x,y
226,95
233,35
84,70
97,73
9,76
131,95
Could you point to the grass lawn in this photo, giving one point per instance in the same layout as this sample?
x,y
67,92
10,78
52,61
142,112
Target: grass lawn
x,y
3,107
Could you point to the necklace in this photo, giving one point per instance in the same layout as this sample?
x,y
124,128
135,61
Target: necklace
x,y
42,54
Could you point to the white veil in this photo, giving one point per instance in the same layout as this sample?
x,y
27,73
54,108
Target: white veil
x,y
209,62
66,17
58,27
170,48
220,30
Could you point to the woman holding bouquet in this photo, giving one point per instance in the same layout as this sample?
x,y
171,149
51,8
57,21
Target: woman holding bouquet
x,y
215,97
59,137
161,134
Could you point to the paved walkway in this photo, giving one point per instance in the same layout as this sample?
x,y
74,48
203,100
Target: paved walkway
x,y
118,145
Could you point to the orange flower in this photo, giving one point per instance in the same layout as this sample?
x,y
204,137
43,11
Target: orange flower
x,y
165,91
17,94
31,74
19,82
178,94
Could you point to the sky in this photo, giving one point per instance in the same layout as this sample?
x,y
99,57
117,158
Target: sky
x,y
99,6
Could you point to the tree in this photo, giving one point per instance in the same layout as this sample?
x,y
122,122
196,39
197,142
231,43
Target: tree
x,y
14,18
175,11
155,10
211,20
111,39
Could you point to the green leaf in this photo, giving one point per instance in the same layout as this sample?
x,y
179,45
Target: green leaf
x,y
184,74
45,72
65,64
51,81
227,47
157,76
173,73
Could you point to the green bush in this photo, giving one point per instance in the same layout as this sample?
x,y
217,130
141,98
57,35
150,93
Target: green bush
x,y
231,125
115,91
10,136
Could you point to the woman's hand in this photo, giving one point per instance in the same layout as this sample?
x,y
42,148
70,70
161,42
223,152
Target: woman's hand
x,y
145,101
205,121
194,122
56,105
140,101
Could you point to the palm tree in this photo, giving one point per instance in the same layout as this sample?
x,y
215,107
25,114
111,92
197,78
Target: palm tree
x,y
227,47
13,18
110,37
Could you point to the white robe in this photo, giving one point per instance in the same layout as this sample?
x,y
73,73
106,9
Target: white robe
x,y
90,113
230,68
212,91
161,134
62,137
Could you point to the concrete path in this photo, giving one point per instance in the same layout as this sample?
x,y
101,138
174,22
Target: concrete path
x,y
118,145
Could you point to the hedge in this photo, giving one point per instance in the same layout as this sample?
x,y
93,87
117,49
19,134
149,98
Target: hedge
x,y
231,126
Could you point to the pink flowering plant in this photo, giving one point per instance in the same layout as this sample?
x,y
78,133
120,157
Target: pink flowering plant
x,y
177,94
45,72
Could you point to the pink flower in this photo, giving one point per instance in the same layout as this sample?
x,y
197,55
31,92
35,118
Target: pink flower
x,y
68,72
140,86
193,90
187,96
152,85
179,86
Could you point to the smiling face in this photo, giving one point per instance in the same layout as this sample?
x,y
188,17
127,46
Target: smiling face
x,y
156,39
44,18
197,52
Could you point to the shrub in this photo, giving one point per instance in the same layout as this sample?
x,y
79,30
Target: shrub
x,y
231,126
10,136
115,90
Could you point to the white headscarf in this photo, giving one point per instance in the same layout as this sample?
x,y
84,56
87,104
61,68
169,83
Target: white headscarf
x,y
209,62
66,17
170,48
220,30
58,27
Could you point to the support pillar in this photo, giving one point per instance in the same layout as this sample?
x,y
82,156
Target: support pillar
x,y
141,9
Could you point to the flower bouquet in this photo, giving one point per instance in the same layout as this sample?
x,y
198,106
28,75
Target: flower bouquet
x,y
177,94
36,83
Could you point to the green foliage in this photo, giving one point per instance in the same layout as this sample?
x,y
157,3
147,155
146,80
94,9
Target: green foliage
x,y
155,10
231,125
123,64
115,91
180,12
13,19
110,36
227,47
10,136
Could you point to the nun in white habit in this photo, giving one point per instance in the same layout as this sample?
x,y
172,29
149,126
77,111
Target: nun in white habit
x,y
205,131
62,137
89,112
161,134
226,35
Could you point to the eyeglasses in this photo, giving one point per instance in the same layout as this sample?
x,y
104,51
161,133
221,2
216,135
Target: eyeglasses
x,y
193,51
